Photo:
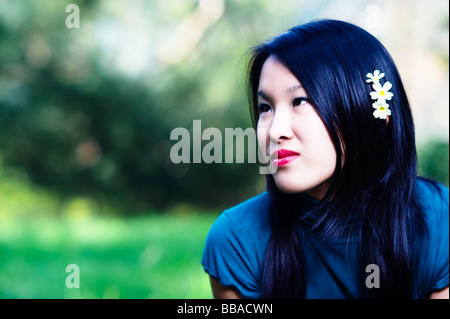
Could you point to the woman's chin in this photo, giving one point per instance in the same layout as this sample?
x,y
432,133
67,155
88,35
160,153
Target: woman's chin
x,y
289,188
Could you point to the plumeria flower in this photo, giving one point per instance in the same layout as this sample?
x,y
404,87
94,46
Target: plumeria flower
x,y
382,110
375,77
381,93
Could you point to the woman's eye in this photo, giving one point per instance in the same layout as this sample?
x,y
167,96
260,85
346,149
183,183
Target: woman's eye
x,y
299,101
263,107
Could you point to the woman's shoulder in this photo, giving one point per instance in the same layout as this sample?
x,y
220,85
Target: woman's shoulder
x,y
253,211
432,196
433,253
252,214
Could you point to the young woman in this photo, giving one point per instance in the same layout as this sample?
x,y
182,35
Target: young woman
x,y
344,214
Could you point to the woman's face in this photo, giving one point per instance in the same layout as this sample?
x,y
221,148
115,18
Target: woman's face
x,y
292,133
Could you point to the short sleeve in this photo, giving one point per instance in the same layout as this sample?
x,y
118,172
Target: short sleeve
x,y
236,246
228,259
434,252
440,244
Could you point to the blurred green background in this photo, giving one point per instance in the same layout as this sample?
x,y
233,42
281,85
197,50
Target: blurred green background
x,y
86,116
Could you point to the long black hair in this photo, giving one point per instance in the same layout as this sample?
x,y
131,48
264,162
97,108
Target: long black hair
x,y
379,165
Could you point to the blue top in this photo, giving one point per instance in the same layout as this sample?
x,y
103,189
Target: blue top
x,y
236,244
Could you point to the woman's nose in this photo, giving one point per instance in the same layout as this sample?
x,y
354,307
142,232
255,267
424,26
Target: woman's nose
x,y
281,127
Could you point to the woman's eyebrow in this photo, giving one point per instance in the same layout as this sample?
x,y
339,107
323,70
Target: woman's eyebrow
x,y
264,96
294,88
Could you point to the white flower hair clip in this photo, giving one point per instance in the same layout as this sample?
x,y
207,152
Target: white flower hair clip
x,y
381,94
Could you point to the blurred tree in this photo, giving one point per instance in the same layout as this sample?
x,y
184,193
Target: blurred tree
x,y
81,128
433,161
89,111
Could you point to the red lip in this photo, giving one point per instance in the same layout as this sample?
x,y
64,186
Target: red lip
x,y
283,157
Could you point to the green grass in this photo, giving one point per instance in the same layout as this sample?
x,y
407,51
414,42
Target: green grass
x,y
153,256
